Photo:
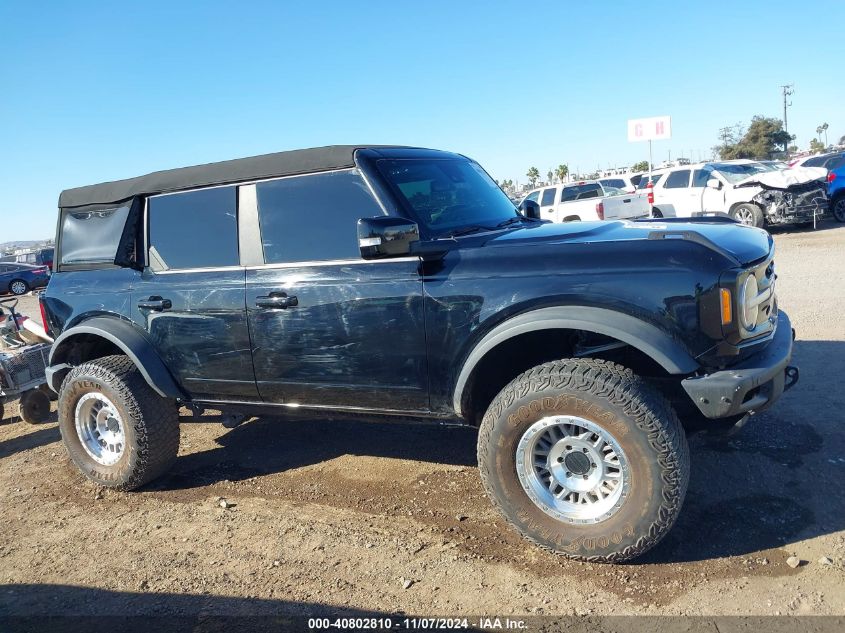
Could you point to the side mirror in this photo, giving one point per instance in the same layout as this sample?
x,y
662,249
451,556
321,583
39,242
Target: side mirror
x,y
714,183
386,237
529,209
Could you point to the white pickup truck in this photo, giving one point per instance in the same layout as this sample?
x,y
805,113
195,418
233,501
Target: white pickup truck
x,y
588,200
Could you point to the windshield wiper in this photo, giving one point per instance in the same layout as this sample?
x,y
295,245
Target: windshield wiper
x,y
466,230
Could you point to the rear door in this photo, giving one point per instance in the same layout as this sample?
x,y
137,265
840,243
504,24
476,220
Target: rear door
x,y
329,329
190,297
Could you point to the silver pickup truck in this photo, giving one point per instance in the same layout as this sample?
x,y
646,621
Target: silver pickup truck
x,y
588,200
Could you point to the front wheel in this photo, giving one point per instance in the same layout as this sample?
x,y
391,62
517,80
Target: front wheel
x,y
584,459
117,430
748,214
838,209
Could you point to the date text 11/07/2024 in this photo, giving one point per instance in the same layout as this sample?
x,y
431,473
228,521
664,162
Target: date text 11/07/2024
x,y
421,623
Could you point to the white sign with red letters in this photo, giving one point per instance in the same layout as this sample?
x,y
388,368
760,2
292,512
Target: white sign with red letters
x,y
651,129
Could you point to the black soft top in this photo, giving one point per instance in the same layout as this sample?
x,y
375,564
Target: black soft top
x,y
300,161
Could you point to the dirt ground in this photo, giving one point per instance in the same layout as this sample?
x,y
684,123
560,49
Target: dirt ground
x,y
337,516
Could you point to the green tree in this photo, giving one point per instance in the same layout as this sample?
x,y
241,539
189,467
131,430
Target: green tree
x,y
764,138
816,146
562,172
533,175
640,166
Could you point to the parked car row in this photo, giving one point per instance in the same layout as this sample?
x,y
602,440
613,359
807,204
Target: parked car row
x,y
753,193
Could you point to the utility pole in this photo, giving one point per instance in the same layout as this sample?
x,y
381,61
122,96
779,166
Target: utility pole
x,y
788,90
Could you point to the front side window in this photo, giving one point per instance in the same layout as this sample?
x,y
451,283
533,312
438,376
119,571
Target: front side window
x,y
677,179
700,177
533,196
91,235
194,229
446,194
313,217
548,197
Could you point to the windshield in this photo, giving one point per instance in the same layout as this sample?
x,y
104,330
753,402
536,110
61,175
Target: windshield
x,y
735,173
448,194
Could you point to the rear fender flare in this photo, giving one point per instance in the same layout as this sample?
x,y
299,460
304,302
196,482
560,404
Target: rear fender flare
x,y
131,341
647,338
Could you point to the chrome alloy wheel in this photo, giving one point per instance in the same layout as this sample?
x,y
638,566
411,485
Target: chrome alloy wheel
x,y
18,287
745,216
100,428
572,469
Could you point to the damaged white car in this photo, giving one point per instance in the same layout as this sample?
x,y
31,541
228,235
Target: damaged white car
x,y
752,193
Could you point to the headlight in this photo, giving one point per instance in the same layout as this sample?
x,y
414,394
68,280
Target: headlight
x,y
749,306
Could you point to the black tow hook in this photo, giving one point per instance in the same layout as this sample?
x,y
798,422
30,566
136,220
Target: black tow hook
x,y
791,377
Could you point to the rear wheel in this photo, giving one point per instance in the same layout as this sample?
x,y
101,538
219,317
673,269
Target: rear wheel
x,y
656,213
584,459
116,429
838,208
19,287
748,214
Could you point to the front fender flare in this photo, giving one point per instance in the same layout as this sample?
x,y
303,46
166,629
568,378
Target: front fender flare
x,y
131,340
647,338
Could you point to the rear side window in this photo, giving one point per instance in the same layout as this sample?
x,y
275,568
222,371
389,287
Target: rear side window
x,y
836,163
548,197
314,217
816,161
195,229
91,235
677,179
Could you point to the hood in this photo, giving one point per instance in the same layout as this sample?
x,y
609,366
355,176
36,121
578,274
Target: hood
x,y
785,178
740,244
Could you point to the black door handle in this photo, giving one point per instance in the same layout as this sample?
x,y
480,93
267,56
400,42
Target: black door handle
x,y
277,300
155,303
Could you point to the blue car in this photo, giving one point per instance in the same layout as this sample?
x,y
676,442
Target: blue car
x,y
836,192
18,279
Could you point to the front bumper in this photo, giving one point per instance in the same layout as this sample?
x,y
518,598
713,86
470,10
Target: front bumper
x,y
751,385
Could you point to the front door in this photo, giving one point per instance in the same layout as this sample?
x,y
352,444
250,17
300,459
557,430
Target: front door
x,y
674,198
328,329
190,297
547,203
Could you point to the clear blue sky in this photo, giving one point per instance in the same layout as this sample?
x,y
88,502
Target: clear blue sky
x,y
96,91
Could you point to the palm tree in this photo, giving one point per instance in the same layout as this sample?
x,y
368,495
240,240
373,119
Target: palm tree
x,y
562,172
533,176
819,131
824,129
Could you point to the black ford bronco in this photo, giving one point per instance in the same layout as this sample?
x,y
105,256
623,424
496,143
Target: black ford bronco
x,y
395,281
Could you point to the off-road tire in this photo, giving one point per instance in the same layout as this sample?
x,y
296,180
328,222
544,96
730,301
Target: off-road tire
x,y
151,422
756,213
639,419
837,208
35,406
18,287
